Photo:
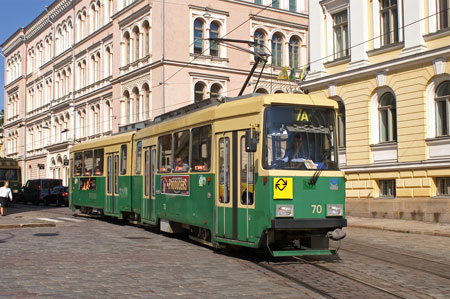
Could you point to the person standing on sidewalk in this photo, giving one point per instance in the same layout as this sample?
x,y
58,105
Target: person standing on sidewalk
x,y
5,196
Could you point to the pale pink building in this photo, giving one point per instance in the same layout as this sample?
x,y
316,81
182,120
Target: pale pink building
x,y
83,68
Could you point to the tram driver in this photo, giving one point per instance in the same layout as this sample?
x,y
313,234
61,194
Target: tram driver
x,y
297,152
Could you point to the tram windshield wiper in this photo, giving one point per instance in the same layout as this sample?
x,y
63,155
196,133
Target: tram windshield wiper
x,y
316,175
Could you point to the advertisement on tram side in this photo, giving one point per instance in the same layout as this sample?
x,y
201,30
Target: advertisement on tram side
x,y
175,185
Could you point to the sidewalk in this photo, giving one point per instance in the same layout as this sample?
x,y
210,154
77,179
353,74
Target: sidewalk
x,y
19,216
401,226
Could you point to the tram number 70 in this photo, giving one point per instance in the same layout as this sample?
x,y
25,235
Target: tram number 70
x,y
317,209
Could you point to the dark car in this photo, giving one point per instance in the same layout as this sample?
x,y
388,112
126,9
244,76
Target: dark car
x,y
59,196
36,191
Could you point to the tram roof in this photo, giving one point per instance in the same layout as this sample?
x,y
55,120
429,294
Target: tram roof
x,y
210,110
101,142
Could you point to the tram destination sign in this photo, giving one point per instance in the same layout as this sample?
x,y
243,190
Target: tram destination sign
x,y
175,184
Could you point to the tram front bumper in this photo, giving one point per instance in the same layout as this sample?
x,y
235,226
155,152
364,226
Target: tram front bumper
x,y
328,223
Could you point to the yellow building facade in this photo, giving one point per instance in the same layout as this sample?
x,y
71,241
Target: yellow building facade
x,y
386,63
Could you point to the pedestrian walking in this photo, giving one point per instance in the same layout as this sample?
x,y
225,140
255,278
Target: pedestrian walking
x,y
5,196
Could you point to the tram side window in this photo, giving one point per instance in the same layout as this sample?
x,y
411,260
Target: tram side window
x,y
98,162
78,169
181,150
138,157
88,163
165,153
123,159
201,148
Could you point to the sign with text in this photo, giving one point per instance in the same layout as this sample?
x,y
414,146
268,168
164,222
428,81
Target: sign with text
x,y
175,184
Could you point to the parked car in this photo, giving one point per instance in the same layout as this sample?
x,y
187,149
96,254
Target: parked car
x,y
59,196
36,191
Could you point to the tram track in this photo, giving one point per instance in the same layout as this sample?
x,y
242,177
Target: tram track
x,y
323,281
410,261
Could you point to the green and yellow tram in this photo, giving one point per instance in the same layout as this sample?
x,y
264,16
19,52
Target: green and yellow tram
x,y
255,171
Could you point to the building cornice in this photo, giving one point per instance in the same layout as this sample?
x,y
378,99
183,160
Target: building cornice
x,y
15,41
208,9
134,16
374,68
427,164
279,10
126,9
12,83
278,22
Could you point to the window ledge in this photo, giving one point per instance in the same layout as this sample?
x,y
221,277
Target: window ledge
x,y
384,146
337,61
438,140
441,197
437,34
387,48
385,197
213,58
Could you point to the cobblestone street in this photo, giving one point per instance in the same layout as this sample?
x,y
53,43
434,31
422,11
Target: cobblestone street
x,y
85,257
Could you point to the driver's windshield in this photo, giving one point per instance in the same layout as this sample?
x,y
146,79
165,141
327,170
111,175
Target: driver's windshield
x,y
299,138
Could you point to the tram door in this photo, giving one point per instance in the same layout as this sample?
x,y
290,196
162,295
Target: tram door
x,y
235,176
149,183
112,183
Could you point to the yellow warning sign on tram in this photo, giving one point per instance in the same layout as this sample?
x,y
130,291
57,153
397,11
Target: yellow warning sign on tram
x,y
282,188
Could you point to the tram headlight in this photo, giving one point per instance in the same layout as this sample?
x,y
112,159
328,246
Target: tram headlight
x,y
285,210
335,210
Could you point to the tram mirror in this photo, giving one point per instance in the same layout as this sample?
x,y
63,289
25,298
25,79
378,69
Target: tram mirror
x,y
250,141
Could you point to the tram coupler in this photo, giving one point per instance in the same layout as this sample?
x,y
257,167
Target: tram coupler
x,y
336,235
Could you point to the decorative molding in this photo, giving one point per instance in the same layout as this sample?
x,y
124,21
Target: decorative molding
x,y
208,76
381,78
332,89
208,9
280,22
134,16
439,65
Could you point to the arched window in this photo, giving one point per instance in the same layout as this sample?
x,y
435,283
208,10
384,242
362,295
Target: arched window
x,y
277,50
293,52
136,41
146,39
387,117
279,91
109,61
214,33
259,40
341,124
216,91
198,36
109,116
443,109
137,103
146,101
199,91
127,49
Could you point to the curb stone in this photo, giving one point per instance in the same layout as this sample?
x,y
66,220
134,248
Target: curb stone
x,y
399,230
25,225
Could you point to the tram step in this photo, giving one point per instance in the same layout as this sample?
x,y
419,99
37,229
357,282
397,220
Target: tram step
x,y
302,252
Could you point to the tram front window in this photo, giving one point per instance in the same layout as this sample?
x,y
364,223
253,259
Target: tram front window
x,y
299,138
9,174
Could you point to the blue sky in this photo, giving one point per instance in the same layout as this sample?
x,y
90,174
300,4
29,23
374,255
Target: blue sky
x,y
13,15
